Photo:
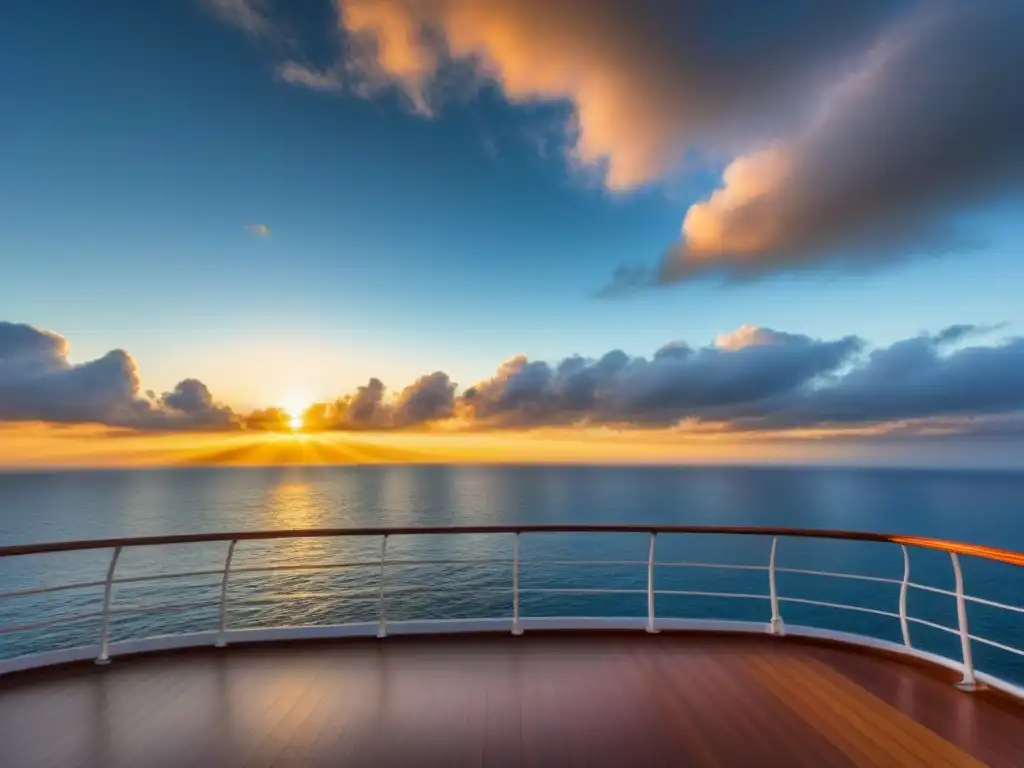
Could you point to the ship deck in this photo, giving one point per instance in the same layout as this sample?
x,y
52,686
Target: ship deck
x,y
541,699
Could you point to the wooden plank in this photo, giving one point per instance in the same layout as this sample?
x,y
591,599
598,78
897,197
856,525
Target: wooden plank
x,y
589,700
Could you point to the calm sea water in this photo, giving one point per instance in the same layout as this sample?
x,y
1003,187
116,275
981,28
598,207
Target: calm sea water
x,y
978,507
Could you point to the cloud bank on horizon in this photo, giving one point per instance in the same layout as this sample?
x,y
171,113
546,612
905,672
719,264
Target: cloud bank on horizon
x,y
753,380
39,383
855,130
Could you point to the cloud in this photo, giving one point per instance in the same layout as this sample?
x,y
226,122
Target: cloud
x,y
252,16
647,79
752,380
318,80
271,419
39,383
192,404
929,122
911,379
855,130
258,230
430,398
750,366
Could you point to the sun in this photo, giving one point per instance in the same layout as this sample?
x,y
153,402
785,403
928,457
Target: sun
x,y
293,412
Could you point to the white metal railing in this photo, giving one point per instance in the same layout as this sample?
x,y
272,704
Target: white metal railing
x,y
223,635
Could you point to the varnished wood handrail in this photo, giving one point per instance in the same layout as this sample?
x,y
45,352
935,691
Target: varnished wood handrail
x,y
974,550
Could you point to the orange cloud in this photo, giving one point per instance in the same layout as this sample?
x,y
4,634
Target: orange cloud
x,y
927,123
647,81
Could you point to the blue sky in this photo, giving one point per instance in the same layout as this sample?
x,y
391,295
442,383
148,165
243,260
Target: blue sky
x,y
141,140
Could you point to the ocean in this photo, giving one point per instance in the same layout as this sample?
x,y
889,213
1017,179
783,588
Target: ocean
x,y
970,506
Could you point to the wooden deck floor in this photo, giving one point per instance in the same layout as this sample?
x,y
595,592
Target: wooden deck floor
x,y
541,700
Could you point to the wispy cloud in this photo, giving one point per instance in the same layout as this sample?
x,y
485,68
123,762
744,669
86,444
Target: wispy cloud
x,y
318,80
252,16
258,230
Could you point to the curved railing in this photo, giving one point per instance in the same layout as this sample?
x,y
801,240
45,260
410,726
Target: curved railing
x,y
103,649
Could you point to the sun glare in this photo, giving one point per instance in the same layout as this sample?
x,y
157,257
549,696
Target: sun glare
x,y
293,411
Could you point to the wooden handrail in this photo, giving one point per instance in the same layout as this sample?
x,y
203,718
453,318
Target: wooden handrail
x,y
974,550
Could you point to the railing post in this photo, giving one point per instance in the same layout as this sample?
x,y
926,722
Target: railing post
x,y
904,624
516,628
382,622
108,590
968,683
776,627
224,596
651,629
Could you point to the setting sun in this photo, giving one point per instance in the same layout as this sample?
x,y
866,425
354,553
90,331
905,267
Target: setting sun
x,y
294,410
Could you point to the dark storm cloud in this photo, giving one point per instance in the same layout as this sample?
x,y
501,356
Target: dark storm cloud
x,y
38,383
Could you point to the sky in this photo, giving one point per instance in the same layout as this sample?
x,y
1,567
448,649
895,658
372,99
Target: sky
x,y
728,222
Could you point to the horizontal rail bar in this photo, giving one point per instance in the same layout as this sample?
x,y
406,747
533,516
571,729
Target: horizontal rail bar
x,y
367,564
49,622
698,593
456,561
989,553
841,606
933,625
731,566
46,590
169,608
531,561
348,594
278,600
994,644
310,567
161,576
994,604
837,575
935,590
580,591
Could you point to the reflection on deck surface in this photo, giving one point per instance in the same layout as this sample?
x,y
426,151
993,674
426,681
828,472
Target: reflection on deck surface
x,y
542,699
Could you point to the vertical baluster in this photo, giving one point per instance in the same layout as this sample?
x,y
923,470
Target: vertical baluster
x,y
222,626
968,683
516,628
382,622
904,624
108,590
651,629
776,627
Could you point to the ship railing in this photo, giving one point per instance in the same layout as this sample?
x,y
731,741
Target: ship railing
x,y
102,650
